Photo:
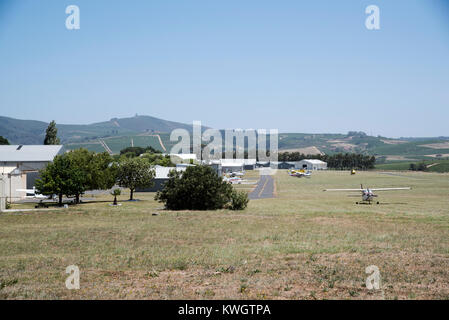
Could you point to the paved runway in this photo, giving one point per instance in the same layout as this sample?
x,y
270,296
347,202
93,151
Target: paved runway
x,y
264,188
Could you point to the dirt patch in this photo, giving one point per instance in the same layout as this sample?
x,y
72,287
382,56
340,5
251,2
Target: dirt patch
x,y
399,158
393,141
307,150
442,145
344,146
438,155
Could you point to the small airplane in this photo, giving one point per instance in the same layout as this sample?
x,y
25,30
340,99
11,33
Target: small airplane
x,y
233,180
368,193
31,194
299,173
237,174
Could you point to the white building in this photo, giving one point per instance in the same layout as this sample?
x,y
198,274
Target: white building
x,y
161,177
20,165
249,164
311,164
183,158
232,165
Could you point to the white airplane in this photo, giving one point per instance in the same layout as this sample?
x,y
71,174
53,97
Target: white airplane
x,y
233,180
33,193
237,174
367,193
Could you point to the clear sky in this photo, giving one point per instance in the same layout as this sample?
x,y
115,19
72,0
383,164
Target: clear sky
x,y
296,66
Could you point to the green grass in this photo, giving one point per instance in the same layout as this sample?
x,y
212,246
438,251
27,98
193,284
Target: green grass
x,y
398,165
120,143
409,149
304,244
434,165
116,144
96,147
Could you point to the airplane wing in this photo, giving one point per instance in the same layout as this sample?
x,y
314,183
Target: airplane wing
x,y
359,190
391,189
26,190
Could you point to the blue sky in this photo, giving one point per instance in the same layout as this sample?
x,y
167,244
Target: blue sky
x,y
297,66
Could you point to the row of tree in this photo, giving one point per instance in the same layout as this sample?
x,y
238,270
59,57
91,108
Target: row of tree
x,y
339,161
198,188
77,171
151,155
418,166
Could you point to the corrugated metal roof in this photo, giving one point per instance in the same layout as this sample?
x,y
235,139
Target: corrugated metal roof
x,y
233,162
184,156
29,153
162,172
314,161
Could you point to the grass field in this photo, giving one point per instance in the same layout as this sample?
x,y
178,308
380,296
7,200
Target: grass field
x,y
437,165
303,244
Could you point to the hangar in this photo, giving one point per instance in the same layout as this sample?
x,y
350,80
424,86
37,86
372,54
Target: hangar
x,y
311,164
20,165
161,178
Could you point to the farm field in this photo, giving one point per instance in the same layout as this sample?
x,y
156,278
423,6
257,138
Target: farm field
x,y
116,144
303,244
436,165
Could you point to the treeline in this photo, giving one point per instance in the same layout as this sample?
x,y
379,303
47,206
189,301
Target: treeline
x,y
151,155
418,166
339,161
137,151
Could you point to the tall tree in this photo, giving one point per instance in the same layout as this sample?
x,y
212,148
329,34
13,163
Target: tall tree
x,y
3,140
59,177
72,173
102,171
51,134
80,163
95,171
135,173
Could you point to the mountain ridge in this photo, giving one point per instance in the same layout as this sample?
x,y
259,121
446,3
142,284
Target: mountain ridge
x,y
19,131
119,133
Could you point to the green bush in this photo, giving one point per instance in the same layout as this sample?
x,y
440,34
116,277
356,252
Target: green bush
x,y
239,200
197,188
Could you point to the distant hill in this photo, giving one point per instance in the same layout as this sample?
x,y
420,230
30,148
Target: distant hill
x,y
33,132
22,131
385,149
142,131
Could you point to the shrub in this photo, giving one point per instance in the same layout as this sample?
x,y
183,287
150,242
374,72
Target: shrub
x,y
197,188
239,200
116,192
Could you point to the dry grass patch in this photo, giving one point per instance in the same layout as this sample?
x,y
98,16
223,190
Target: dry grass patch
x,y
304,244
